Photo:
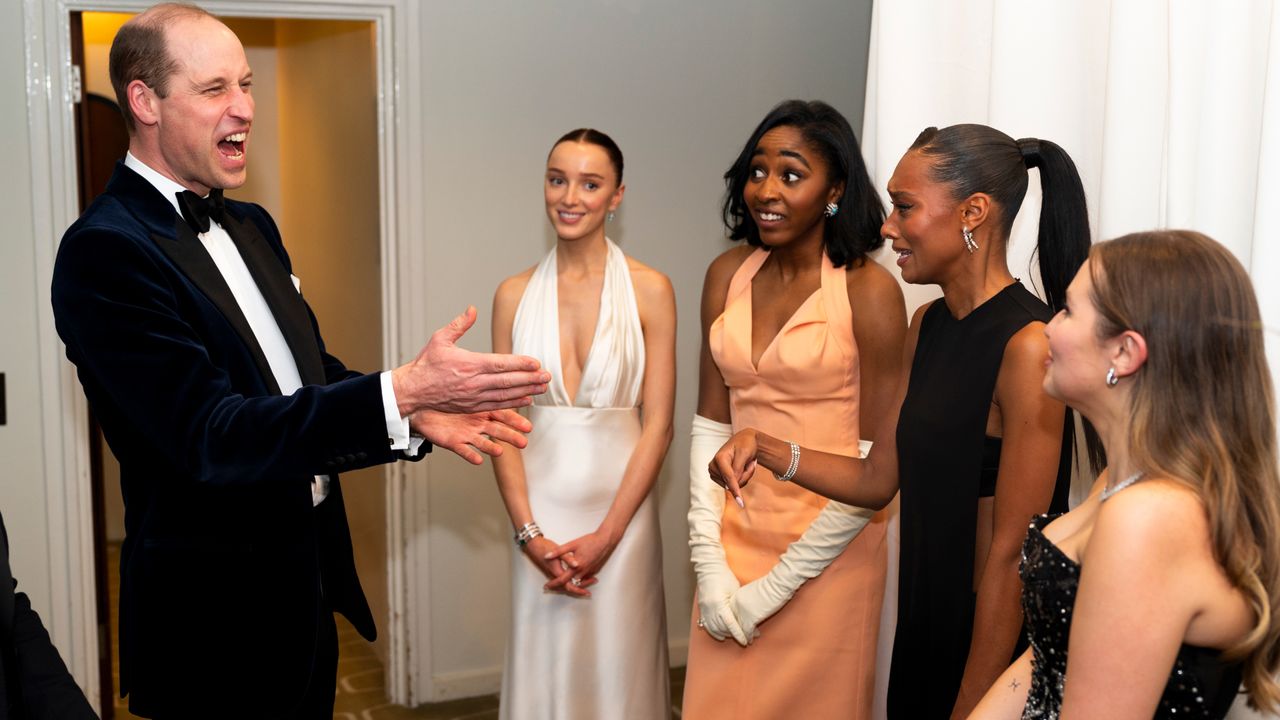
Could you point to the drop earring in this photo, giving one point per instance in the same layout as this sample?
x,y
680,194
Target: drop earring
x,y
831,210
1112,380
969,244
609,217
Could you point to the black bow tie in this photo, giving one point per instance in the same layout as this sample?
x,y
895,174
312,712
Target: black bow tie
x,y
197,210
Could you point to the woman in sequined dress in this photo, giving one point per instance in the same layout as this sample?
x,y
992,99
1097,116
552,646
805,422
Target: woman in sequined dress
x,y
1164,584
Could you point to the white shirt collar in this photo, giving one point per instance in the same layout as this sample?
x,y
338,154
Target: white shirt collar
x,y
168,188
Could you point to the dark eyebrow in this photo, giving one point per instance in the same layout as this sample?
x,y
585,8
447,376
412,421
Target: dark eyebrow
x,y
593,176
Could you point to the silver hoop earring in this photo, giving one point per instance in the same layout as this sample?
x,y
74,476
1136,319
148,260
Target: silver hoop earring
x,y
831,210
1112,380
969,244
609,217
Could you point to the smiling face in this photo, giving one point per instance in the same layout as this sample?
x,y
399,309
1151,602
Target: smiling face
x,y
201,128
1078,360
581,189
787,188
924,223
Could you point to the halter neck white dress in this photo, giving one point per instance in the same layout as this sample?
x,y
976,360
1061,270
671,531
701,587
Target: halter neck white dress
x,y
606,656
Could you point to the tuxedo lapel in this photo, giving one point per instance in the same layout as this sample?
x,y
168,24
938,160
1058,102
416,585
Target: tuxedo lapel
x,y
179,243
189,254
282,297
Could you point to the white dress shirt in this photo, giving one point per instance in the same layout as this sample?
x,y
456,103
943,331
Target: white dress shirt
x,y
263,324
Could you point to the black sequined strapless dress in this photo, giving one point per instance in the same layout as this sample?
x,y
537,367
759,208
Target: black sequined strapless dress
x,y
1201,684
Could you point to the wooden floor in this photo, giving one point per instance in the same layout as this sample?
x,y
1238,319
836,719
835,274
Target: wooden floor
x,y
361,683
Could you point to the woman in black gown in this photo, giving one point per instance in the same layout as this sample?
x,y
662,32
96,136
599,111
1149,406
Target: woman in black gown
x,y
979,447
1164,584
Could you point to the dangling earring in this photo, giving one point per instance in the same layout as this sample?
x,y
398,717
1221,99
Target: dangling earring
x,y
831,210
1112,380
969,244
609,217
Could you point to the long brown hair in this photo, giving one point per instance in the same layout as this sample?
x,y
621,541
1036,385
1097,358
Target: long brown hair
x,y
1202,409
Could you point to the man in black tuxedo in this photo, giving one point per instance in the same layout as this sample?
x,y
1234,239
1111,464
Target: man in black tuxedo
x,y
34,682
207,372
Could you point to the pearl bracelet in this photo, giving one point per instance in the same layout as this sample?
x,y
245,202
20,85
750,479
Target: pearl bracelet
x,y
795,464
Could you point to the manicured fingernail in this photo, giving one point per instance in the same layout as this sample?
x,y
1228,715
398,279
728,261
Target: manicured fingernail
x,y
738,499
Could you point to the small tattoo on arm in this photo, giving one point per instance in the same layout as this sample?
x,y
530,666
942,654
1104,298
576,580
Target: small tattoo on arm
x,y
1014,684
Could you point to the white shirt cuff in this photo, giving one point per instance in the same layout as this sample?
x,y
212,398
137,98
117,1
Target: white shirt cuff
x,y
397,427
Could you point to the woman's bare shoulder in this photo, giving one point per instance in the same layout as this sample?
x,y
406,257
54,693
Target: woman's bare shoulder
x,y
510,290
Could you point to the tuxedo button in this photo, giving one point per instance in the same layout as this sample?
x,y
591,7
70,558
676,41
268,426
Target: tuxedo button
x,y
328,463
361,456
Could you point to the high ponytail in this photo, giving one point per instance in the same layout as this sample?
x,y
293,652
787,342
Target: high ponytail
x,y
980,159
1063,241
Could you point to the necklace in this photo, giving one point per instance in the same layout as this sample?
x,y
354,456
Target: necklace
x,y
1109,491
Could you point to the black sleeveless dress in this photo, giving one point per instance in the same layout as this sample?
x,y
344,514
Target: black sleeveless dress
x,y
941,433
1201,685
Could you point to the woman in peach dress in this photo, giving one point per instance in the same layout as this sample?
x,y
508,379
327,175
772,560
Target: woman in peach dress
x,y
802,334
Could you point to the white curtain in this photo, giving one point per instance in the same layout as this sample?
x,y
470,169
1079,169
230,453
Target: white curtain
x,y
1170,109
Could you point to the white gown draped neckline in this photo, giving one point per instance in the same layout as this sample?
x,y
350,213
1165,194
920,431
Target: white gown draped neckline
x,y
613,372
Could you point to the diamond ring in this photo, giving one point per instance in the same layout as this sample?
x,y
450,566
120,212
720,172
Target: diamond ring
x,y
576,581
700,623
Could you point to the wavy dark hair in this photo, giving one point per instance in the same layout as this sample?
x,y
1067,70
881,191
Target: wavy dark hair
x,y
855,230
592,136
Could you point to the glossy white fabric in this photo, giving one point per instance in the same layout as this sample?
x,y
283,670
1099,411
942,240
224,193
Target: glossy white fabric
x,y
1171,111
606,656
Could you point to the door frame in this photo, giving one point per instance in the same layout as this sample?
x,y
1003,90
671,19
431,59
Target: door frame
x,y
51,122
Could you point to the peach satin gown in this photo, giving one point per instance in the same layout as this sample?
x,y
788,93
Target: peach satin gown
x,y
815,658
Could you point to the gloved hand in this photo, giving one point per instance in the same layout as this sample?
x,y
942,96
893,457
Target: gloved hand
x,y
716,582
827,536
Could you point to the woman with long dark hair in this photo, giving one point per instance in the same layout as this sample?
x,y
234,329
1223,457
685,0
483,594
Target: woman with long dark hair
x,y
802,334
978,448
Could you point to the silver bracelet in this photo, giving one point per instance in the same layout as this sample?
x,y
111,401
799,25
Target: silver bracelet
x,y
795,464
527,532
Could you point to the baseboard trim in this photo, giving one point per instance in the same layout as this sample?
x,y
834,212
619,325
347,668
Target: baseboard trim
x,y
488,681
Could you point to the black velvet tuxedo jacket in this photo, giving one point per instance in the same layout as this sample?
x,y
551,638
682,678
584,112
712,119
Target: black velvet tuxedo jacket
x,y
34,682
225,565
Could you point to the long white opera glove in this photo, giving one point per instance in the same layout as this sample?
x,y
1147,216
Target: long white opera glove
x,y
716,582
827,536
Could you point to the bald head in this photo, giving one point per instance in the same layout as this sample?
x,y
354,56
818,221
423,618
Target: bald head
x,y
140,52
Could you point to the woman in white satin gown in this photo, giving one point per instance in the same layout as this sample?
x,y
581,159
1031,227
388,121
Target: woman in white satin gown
x,y
588,627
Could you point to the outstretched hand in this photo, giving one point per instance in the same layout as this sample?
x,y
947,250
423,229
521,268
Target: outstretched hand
x,y
447,378
469,434
735,463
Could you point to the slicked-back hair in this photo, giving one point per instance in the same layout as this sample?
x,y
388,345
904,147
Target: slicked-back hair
x,y
970,159
591,136
855,230
139,52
